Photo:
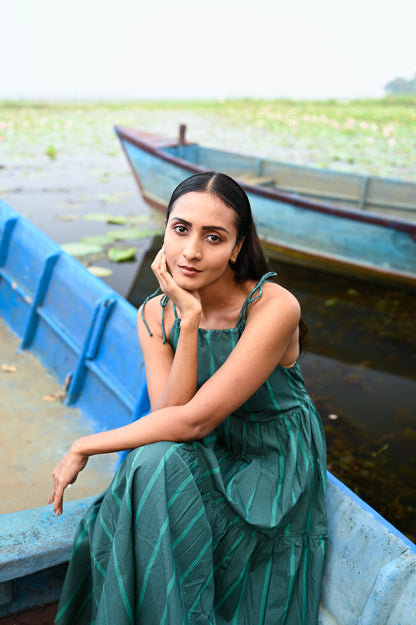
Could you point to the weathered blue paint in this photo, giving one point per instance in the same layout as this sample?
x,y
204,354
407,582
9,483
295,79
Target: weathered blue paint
x,y
35,549
80,327
336,237
82,332
370,573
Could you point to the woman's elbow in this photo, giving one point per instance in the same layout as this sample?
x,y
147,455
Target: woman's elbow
x,y
199,424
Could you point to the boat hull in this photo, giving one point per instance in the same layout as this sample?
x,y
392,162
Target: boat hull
x,y
292,228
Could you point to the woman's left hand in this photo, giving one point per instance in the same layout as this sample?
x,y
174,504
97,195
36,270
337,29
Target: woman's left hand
x,y
64,474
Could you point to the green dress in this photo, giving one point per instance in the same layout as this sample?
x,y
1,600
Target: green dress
x,y
230,529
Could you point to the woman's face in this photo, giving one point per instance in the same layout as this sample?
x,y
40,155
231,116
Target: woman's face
x,y
200,240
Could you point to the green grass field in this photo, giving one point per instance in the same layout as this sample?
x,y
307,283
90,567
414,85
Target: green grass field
x,y
366,136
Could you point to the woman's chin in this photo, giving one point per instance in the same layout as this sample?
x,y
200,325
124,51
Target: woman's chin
x,y
190,283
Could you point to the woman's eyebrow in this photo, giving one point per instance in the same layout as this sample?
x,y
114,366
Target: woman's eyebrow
x,y
188,223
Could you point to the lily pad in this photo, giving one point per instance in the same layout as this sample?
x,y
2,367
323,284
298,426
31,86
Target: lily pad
x,y
117,219
140,219
117,196
100,272
331,302
97,239
118,255
67,217
81,249
104,217
134,233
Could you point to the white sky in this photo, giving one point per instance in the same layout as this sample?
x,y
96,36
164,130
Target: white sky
x,y
204,48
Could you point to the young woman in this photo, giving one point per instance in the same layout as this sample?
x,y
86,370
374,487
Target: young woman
x,y
217,515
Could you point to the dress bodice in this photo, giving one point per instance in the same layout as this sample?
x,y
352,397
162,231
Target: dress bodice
x,y
282,391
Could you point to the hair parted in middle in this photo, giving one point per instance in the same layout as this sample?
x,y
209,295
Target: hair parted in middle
x,y
250,263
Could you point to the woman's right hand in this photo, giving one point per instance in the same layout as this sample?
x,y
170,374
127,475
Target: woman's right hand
x,y
187,302
64,474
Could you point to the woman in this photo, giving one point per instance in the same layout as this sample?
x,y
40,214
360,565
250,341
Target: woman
x,y
217,515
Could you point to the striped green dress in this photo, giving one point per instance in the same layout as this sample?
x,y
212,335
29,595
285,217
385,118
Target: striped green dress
x,y
230,529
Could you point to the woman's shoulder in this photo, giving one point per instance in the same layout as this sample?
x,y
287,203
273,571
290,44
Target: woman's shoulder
x,y
152,303
153,311
275,299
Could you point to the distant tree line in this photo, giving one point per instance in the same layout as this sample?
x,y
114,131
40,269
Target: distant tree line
x,y
401,86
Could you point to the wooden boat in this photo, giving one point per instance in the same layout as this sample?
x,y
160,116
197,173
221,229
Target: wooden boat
x,y
344,223
81,331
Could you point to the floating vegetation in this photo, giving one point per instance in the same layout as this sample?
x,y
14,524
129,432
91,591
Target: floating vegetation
x,y
97,239
117,219
130,234
96,244
68,217
121,220
139,219
78,249
101,217
51,152
120,255
331,301
117,196
374,136
100,272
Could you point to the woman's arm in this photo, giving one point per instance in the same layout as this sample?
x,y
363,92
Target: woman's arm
x,y
272,322
171,376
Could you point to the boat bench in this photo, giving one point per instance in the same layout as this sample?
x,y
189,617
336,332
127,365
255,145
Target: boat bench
x,y
76,325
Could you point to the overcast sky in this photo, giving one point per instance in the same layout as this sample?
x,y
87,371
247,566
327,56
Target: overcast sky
x,y
199,49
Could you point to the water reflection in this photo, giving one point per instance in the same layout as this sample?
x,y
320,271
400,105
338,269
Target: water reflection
x,y
360,369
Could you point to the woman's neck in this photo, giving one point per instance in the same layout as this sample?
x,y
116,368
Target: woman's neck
x,y
221,303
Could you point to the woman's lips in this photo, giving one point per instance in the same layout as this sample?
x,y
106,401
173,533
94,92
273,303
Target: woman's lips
x,y
189,271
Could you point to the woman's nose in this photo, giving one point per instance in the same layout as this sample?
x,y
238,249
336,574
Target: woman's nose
x,y
192,250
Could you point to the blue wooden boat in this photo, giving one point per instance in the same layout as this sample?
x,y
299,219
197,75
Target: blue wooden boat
x,y
83,333
344,223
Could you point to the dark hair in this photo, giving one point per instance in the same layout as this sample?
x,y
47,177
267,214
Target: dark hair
x,y
250,263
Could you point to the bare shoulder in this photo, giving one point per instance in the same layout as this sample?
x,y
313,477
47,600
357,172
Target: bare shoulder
x,y
150,314
275,299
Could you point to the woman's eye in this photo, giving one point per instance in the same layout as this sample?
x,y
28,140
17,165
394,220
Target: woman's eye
x,y
180,229
214,238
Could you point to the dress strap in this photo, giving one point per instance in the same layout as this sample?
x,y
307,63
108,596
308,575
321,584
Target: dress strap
x,y
252,297
163,302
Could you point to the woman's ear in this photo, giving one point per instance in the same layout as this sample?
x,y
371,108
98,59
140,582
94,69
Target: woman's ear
x,y
236,251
